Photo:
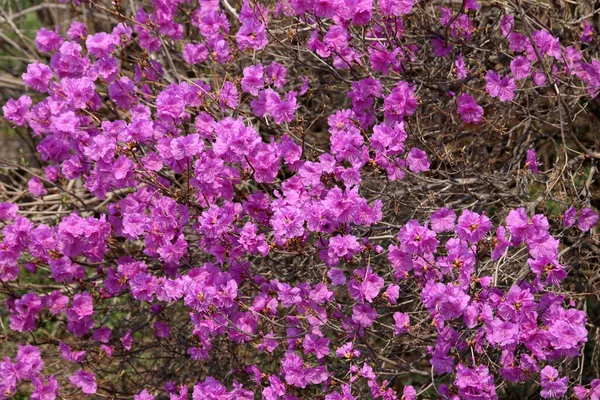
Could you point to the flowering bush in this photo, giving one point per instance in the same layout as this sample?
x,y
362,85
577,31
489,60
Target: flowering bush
x,y
328,199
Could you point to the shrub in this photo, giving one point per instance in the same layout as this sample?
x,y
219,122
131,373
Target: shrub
x,y
329,199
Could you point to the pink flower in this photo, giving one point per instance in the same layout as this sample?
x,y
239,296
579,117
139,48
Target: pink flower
x,y
17,112
276,74
36,187
143,395
195,53
364,315
417,160
539,78
503,88
461,68
587,36
38,76
506,24
417,239
475,382
77,31
587,220
127,339
553,387
520,67
84,380
402,323
48,41
229,96
442,220
400,103
395,7
253,80
472,227
469,110
441,48
365,285
569,217
531,161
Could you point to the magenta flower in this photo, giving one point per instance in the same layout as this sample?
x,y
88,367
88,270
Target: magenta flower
x,y
400,103
472,227
69,355
253,80
546,44
283,110
102,335
288,223
365,285
161,329
569,217
347,351
553,387
417,160
469,110
317,345
293,370
343,246
195,53
337,277
77,31
276,74
471,5
523,228
38,76
531,161
101,44
396,7
8,211
143,395
442,220
409,392
79,91
500,243
127,340
587,36
502,333
520,67
170,103
364,315
48,41
36,187
402,323
475,382
17,112
441,48
229,96
587,220
42,391
84,380
461,68
231,215
506,24
143,287
503,88
539,78
417,239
